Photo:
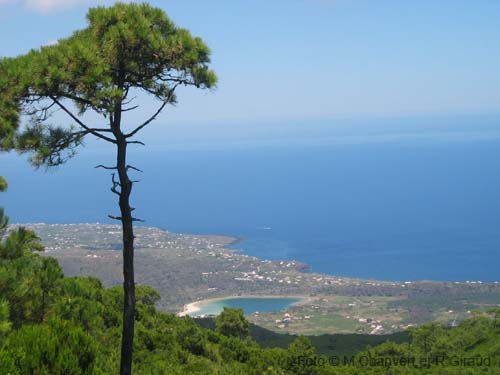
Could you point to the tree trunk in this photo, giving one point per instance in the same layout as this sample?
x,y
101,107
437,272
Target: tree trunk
x,y
128,260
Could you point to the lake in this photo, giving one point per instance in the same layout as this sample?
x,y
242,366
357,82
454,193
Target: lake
x,y
249,305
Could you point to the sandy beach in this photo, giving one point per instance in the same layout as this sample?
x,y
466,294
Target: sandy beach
x,y
193,307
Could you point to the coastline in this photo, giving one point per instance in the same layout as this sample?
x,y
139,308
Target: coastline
x,y
193,307
204,269
228,241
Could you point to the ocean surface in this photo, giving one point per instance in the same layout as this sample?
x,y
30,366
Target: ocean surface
x,y
249,305
405,200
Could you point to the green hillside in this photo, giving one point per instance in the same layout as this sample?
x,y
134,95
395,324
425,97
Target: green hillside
x,y
56,325
334,344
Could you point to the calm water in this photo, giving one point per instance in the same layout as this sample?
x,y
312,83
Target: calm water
x,y
249,305
395,206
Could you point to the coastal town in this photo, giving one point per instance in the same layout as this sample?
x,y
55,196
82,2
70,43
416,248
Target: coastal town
x,y
187,268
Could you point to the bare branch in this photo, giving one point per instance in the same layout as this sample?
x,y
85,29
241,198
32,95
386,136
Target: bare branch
x,y
104,167
78,99
115,217
152,118
136,142
41,114
148,90
113,179
127,102
139,220
79,122
115,185
105,130
134,168
125,94
179,80
130,109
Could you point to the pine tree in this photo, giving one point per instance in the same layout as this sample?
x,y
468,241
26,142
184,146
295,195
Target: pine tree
x,y
125,49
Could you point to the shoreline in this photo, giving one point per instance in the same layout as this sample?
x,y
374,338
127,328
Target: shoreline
x,y
231,240
195,306
218,273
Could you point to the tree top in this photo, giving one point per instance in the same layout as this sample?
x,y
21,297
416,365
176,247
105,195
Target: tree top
x,y
124,48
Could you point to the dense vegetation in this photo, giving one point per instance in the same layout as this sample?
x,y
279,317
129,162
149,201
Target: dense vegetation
x,y
340,344
51,324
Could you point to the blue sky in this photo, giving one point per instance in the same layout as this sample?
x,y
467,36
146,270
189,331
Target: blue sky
x,y
284,60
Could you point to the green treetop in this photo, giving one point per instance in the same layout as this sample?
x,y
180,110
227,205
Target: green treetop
x,y
232,322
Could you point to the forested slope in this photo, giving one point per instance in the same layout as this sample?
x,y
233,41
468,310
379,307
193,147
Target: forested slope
x,y
56,325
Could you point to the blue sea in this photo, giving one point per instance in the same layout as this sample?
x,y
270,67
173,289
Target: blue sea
x,y
401,199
